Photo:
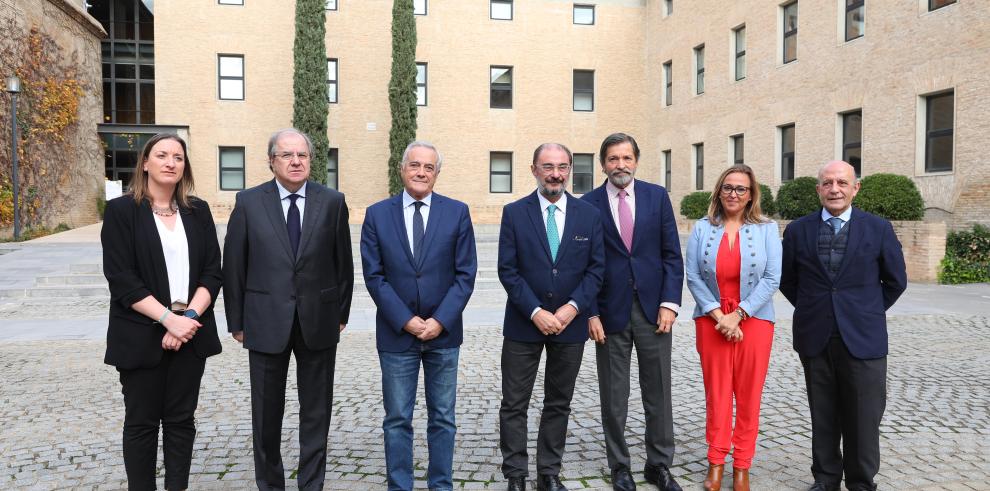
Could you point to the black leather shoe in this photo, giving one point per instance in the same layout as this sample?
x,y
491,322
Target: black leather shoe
x,y
820,486
622,480
660,477
547,482
517,484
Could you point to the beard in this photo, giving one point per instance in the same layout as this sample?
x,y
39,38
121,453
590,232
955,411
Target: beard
x,y
551,193
621,179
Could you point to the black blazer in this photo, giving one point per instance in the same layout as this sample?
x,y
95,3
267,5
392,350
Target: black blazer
x,y
134,264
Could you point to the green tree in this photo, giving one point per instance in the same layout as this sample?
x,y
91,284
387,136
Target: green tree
x,y
309,81
401,89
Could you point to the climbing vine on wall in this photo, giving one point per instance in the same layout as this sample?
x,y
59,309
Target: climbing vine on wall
x,y
47,113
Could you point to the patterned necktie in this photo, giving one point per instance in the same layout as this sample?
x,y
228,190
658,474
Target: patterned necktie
x,y
418,230
836,224
292,224
552,236
625,221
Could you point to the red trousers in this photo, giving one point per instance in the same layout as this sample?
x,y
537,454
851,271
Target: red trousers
x,y
733,370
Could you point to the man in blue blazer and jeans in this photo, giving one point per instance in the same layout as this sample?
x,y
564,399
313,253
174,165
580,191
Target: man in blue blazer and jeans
x,y
636,307
842,269
419,260
551,259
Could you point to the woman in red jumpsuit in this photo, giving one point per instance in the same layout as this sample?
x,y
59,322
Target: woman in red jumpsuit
x,y
733,270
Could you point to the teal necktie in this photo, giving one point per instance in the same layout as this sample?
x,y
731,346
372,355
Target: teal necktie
x,y
552,236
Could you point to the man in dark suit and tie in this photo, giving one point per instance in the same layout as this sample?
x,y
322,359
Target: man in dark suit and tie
x,y
419,259
842,269
636,307
288,276
551,259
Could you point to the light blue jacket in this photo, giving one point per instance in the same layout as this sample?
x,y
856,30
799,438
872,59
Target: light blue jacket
x,y
759,272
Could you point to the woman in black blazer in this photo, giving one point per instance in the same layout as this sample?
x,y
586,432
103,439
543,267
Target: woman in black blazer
x,y
162,261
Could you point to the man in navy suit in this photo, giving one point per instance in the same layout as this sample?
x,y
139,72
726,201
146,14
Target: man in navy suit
x,y
419,261
842,269
551,259
636,307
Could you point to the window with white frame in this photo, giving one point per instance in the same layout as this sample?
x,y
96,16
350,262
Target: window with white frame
x,y
421,84
419,7
500,9
699,69
668,82
582,176
739,52
333,169
584,90
230,73
789,19
231,168
331,5
584,14
230,2
332,80
501,87
500,172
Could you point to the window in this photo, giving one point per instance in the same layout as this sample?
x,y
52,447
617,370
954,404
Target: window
x,y
699,69
852,140
855,19
501,89
667,82
790,20
583,173
738,149
666,169
231,168
231,73
231,2
332,80
699,166
500,173
128,60
501,9
421,84
419,7
938,132
584,90
739,62
331,4
584,14
937,4
786,135
333,168
668,7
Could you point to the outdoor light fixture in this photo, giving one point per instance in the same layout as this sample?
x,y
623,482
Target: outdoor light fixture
x,y
14,87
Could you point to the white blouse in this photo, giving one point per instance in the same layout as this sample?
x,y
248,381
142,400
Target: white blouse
x,y
176,250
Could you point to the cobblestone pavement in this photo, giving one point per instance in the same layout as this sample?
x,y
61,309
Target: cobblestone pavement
x,y
61,412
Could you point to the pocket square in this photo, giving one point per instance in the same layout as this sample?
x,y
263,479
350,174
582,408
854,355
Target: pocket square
x,y
580,238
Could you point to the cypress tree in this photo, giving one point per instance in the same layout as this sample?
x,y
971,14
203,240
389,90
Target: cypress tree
x,y
401,89
309,81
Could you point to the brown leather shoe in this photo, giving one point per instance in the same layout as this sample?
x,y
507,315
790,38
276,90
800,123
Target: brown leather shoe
x,y
740,479
714,480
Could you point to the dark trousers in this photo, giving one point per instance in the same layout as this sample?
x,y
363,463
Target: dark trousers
x,y
314,377
520,364
847,397
613,360
166,394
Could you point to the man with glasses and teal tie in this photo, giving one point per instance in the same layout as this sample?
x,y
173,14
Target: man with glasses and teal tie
x,y
551,260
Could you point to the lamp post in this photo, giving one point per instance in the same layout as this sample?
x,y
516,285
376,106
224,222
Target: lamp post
x,y
14,87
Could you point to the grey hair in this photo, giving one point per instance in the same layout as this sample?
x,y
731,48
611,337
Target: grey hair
x,y
273,140
548,146
421,144
821,170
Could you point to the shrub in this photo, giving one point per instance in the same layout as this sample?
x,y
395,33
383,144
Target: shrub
x,y
797,198
101,205
892,196
766,201
967,257
695,205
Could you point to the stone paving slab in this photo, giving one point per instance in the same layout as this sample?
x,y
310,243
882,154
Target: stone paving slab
x,y
61,412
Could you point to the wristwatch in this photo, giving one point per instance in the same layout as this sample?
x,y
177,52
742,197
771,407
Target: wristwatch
x,y
190,313
742,313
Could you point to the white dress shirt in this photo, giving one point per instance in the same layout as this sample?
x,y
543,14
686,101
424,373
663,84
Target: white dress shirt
x,y
559,218
409,210
283,194
845,216
176,249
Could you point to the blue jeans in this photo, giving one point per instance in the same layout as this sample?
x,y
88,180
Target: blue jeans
x,y
400,375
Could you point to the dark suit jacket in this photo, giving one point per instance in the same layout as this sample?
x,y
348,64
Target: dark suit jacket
x,y
870,279
654,268
532,279
438,285
134,264
266,286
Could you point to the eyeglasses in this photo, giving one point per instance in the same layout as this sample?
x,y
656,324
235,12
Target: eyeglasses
x,y
287,156
563,168
728,189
